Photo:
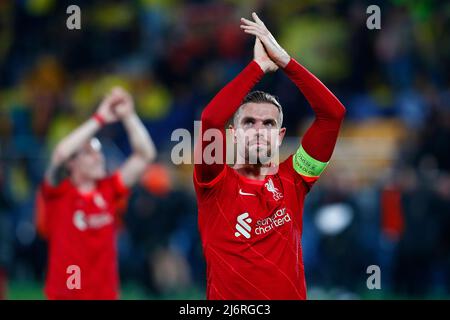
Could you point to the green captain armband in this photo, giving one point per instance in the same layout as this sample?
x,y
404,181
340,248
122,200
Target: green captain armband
x,y
306,165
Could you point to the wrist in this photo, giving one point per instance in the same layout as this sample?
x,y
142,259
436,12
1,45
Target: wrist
x,y
284,61
263,66
129,120
129,116
97,117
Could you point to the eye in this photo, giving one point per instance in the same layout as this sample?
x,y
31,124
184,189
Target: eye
x,y
248,122
269,123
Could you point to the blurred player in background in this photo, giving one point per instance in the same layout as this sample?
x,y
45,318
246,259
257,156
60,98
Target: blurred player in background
x,y
77,203
250,216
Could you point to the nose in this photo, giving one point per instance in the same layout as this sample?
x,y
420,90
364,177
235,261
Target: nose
x,y
259,126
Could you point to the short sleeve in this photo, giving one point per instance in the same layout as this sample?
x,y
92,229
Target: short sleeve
x,y
49,192
115,182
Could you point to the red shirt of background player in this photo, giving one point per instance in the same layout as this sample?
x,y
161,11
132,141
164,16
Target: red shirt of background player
x,y
81,231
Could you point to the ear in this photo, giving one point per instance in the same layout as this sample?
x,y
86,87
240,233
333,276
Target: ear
x,y
233,133
281,135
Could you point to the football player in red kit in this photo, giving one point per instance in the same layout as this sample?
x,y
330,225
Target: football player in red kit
x,y
250,215
79,210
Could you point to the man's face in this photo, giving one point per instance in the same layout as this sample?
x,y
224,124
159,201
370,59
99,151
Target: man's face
x,y
89,162
257,132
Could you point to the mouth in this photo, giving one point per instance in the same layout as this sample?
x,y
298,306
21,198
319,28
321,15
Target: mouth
x,y
258,143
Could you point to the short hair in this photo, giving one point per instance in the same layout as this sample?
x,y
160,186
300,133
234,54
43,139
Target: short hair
x,y
260,97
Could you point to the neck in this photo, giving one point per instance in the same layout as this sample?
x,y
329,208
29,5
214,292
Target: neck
x,y
257,171
83,184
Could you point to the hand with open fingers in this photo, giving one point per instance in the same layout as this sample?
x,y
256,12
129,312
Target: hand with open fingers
x,y
273,49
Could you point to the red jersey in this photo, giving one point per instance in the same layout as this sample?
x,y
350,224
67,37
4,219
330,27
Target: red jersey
x,y
251,234
251,230
81,231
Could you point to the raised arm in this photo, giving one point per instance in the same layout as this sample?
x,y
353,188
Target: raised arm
x,y
69,145
319,140
143,149
224,105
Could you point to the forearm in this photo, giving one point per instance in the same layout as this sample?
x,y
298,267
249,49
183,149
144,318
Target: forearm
x,y
140,141
68,146
320,139
227,101
322,100
218,112
75,140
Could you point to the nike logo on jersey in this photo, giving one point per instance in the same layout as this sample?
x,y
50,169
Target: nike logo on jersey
x,y
245,193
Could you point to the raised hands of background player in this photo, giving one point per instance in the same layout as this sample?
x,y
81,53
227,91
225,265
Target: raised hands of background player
x,y
125,103
273,49
106,107
116,105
